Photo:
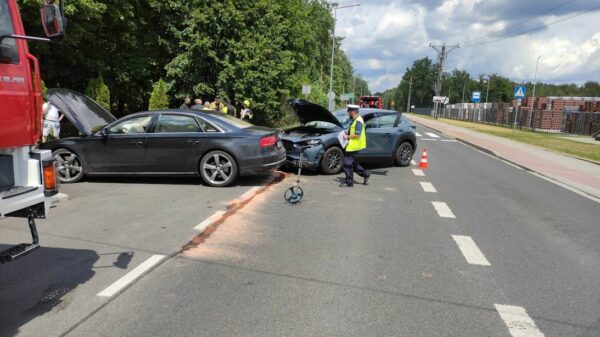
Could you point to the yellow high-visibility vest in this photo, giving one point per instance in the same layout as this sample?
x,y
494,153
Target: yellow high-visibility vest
x,y
360,143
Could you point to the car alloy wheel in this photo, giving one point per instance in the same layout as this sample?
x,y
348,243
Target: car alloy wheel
x,y
218,169
332,161
404,154
70,166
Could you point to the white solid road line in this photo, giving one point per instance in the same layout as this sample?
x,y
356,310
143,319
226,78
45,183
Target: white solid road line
x,y
567,187
443,210
432,135
418,173
131,276
470,250
428,187
449,140
418,134
518,322
209,221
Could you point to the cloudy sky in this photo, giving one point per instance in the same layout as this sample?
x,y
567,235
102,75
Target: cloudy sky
x,y
383,38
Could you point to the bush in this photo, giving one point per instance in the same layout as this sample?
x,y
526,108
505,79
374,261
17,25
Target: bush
x,y
159,99
98,91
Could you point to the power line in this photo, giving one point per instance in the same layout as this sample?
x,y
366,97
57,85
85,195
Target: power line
x,y
520,23
535,28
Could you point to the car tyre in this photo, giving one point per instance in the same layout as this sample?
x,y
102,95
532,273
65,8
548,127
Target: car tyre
x,y
218,169
69,166
332,161
404,154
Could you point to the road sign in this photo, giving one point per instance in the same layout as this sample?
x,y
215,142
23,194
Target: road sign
x,y
346,97
440,99
306,89
476,97
520,91
331,95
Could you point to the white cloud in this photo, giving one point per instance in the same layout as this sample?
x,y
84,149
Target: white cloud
x,y
383,38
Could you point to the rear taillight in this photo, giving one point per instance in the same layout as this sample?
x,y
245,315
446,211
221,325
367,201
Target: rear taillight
x,y
50,181
268,141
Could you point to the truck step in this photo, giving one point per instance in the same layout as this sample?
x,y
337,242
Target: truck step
x,y
17,252
16,191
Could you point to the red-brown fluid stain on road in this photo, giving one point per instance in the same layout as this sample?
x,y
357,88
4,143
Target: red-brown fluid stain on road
x,y
233,208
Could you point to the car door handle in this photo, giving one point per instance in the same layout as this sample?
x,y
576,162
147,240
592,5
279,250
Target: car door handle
x,y
387,135
137,143
193,142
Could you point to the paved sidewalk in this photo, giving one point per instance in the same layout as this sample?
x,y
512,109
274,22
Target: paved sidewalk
x,y
579,174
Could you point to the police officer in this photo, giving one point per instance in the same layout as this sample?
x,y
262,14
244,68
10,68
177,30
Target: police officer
x,y
357,140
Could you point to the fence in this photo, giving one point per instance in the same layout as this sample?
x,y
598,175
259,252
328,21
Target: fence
x,y
567,119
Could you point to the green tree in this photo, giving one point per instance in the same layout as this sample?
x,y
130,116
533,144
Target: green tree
x,y
159,99
98,91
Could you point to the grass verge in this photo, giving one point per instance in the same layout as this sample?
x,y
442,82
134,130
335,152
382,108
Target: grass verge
x,y
548,141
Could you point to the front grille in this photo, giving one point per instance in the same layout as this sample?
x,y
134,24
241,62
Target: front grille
x,y
289,146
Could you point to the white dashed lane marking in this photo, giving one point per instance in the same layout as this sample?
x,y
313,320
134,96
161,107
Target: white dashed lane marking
x,y
418,134
131,276
443,210
418,173
518,321
428,187
469,249
413,162
432,135
209,221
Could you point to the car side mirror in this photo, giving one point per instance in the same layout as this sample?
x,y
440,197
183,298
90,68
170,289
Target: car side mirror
x,y
104,132
413,126
53,21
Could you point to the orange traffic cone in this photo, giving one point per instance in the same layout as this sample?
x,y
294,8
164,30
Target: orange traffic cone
x,y
423,163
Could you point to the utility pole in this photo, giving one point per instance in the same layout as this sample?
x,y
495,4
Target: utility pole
x,y
443,52
409,94
462,105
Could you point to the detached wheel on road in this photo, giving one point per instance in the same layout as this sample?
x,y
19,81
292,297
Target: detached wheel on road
x,y
218,169
333,160
404,154
70,167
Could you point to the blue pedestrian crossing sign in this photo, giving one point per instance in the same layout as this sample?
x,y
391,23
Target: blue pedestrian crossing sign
x,y
520,91
476,97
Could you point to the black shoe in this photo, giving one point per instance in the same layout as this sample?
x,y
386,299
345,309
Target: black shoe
x,y
366,179
346,185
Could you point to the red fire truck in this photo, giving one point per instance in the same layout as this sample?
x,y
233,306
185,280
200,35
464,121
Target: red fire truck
x,y
27,175
370,102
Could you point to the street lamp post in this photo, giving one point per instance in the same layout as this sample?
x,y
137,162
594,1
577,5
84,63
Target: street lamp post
x,y
335,7
487,93
353,89
533,95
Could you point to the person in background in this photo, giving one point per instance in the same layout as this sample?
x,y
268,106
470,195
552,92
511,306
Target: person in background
x,y
230,108
246,112
218,106
52,119
197,104
207,106
187,103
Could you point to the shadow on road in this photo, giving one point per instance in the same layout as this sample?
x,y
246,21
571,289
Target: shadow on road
x,y
40,283
241,181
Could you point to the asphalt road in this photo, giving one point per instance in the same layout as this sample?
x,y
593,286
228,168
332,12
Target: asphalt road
x,y
484,249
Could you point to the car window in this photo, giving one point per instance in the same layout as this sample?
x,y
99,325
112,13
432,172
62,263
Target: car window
x,y
385,121
207,127
176,123
8,50
132,125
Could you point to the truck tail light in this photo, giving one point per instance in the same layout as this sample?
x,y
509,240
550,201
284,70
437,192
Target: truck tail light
x,y
268,141
50,179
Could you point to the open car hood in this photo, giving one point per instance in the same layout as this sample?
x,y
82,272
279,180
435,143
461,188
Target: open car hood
x,y
87,115
311,112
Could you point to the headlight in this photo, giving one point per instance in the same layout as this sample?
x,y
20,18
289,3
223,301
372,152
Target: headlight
x,y
313,142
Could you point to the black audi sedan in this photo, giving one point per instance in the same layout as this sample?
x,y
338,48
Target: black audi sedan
x,y
391,137
214,146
